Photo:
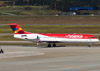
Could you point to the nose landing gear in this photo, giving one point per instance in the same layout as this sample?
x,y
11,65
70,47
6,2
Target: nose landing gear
x,y
90,44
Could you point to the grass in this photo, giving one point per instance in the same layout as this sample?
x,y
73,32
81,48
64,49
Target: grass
x,y
9,38
27,10
55,29
50,19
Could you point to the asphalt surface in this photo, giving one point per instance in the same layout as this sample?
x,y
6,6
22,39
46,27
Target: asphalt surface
x,y
30,58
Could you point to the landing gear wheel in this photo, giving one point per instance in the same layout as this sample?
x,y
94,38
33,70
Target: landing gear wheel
x,y
54,45
49,45
89,45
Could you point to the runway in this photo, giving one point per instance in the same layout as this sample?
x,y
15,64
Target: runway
x,y
30,58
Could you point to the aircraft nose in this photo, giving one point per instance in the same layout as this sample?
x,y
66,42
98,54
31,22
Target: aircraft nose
x,y
97,40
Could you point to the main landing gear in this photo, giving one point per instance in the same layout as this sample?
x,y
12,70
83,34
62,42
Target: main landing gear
x,y
49,45
54,45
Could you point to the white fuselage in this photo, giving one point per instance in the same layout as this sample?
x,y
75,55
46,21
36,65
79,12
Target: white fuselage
x,y
43,38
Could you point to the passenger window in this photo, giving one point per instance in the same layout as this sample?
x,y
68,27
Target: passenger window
x,y
23,35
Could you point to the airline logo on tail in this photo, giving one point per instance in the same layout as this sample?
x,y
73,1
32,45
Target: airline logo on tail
x,y
16,28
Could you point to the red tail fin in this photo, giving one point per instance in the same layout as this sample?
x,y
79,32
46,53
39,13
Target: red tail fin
x,y
16,28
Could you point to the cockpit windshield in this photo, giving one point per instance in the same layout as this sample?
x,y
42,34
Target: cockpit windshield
x,y
92,37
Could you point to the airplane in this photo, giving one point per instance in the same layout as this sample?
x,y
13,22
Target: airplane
x,y
52,38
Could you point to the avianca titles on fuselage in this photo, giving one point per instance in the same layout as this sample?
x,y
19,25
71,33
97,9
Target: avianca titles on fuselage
x,y
52,38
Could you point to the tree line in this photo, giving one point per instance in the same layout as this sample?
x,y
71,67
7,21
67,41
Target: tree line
x,y
62,5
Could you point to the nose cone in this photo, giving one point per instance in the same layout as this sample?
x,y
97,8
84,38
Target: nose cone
x,y
97,40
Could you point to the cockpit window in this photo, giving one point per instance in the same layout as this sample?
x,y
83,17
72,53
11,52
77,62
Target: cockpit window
x,y
92,37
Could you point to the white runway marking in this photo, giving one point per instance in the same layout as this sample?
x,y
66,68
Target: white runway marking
x,y
12,52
